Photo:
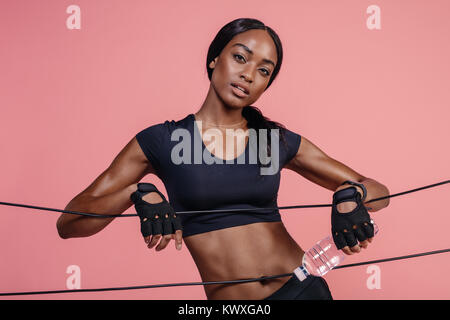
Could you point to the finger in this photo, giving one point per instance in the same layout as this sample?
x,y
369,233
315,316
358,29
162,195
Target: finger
x,y
164,242
370,240
355,248
154,240
347,250
157,231
167,225
360,235
176,222
364,244
147,239
368,229
350,238
146,227
339,240
157,225
178,239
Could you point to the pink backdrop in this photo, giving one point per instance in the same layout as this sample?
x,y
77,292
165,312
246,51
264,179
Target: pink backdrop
x,y
376,100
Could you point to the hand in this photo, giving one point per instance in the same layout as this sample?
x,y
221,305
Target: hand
x,y
151,241
158,218
346,207
350,221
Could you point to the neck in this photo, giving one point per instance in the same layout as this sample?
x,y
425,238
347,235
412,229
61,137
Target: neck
x,y
214,112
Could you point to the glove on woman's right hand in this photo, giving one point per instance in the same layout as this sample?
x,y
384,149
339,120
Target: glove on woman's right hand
x,y
156,219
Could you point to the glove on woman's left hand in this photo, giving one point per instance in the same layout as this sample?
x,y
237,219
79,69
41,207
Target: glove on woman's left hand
x,y
350,227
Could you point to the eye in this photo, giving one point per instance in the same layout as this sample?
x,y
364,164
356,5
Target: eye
x,y
238,55
266,72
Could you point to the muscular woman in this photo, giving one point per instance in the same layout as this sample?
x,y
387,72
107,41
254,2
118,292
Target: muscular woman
x,y
243,60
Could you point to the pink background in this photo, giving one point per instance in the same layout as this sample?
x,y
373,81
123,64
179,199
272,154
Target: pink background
x,y
376,100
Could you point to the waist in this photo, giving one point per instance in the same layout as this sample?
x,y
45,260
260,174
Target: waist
x,y
243,252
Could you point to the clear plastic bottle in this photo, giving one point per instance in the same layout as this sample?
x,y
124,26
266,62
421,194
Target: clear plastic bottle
x,y
322,257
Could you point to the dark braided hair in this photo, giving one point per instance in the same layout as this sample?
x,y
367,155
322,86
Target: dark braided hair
x,y
252,114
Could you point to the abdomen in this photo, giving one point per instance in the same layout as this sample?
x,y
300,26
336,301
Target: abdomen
x,y
248,251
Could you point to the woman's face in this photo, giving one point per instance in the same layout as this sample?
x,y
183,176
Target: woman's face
x,y
248,61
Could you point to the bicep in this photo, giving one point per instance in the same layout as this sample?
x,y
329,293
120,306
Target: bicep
x,y
315,165
127,168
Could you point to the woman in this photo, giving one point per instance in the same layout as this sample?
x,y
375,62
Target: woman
x,y
243,60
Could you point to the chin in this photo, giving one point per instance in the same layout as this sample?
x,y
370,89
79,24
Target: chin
x,y
233,102
236,105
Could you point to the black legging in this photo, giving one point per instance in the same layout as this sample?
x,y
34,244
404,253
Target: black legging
x,y
312,288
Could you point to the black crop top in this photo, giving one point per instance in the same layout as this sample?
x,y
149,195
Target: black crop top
x,y
191,186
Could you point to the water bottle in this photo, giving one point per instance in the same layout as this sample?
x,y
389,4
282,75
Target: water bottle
x,y
322,257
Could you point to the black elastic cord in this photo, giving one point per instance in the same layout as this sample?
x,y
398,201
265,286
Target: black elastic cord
x,y
393,259
215,211
215,282
220,282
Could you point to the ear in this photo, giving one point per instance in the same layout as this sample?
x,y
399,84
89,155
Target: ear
x,y
212,64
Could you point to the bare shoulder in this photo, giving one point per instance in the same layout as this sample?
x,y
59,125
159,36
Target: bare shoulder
x,y
128,167
315,165
306,152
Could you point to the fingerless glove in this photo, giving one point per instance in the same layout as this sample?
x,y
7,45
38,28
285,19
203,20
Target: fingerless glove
x,y
356,224
157,218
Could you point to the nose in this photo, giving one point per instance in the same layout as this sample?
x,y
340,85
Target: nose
x,y
247,74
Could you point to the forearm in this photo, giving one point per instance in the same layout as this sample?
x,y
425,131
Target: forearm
x,y
71,225
374,190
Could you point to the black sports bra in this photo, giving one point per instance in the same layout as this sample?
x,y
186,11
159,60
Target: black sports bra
x,y
191,185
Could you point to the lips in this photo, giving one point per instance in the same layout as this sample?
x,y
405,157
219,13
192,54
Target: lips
x,y
243,86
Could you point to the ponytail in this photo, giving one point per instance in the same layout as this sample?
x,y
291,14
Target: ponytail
x,y
256,120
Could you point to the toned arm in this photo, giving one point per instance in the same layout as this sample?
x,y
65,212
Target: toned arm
x,y
315,165
108,194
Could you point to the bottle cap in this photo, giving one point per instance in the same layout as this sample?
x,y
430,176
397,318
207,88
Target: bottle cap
x,y
301,273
